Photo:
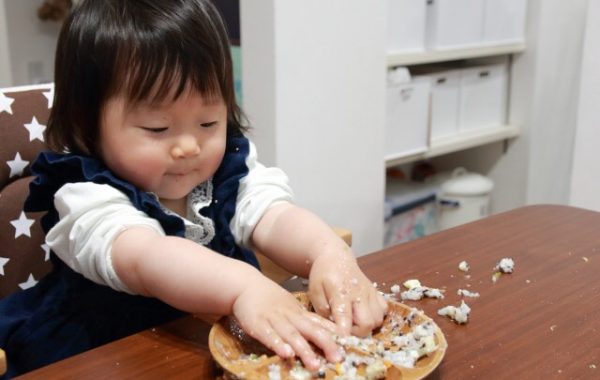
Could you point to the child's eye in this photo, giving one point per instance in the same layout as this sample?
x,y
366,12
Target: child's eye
x,y
208,125
154,130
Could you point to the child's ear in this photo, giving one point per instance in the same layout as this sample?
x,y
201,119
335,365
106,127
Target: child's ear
x,y
54,10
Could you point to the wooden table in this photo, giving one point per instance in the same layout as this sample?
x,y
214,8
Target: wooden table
x,y
542,321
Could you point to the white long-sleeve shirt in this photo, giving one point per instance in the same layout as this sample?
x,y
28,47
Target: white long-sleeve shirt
x,y
92,215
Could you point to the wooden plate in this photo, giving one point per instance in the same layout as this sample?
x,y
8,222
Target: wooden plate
x,y
242,357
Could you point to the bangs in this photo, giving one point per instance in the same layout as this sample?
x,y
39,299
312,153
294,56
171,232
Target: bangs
x,y
141,77
162,49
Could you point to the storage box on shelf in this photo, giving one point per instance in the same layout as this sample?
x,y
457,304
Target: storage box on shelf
x,y
407,114
406,26
504,21
445,103
483,91
454,29
464,104
454,24
477,114
410,210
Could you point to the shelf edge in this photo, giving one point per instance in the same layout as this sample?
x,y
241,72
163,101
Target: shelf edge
x,y
406,59
461,141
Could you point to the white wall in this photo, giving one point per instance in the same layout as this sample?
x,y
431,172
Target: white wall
x,y
314,89
554,103
29,44
5,69
585,180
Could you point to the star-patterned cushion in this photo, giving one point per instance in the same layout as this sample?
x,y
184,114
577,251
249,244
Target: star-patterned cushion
x,y
24,258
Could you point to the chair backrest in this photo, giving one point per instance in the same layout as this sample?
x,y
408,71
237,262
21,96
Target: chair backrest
x,y
24,258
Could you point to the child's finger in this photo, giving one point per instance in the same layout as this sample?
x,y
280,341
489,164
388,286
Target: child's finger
x,y
363,316
318,335
341,311
324,323
273,340
382,303
289,332
318,299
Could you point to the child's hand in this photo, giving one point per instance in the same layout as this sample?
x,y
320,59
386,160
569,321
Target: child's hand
x,y
338,288
273,316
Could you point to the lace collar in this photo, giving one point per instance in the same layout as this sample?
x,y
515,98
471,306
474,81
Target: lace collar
x,y
198,228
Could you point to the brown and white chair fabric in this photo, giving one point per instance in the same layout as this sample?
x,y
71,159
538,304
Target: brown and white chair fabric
x,y
24,258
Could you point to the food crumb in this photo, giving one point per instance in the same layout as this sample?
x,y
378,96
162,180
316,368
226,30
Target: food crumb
x,y
496,276
528,281
467,293
553,327
592,366
459,314
412,283
505,265
418,292
463,266
395,289
585,259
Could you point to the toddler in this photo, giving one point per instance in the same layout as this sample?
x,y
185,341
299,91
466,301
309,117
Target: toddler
x,y
154,199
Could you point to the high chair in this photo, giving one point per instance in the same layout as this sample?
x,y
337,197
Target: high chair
x,y
24,258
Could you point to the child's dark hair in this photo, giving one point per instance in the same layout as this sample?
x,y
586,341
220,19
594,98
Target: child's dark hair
x,y
142,48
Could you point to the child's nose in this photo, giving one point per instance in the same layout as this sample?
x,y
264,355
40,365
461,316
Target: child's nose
x,y
186,146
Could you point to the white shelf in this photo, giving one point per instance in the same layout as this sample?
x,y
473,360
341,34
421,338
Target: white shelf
x,y
460,141
417,58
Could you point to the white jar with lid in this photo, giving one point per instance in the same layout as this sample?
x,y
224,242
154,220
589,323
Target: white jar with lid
x,y
463,198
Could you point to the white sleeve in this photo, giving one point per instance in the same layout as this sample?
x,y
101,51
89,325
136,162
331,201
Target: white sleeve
x,y
91,217
259,190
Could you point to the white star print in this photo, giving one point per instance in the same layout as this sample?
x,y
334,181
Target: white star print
x,y
36,130
29,283
17,165
5,103
46,249
50,96
22,225
3,261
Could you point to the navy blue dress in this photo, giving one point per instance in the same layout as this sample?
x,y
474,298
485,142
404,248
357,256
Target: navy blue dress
x,y
65,314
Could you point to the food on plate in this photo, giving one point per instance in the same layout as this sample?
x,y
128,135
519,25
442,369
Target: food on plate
x,y
409,345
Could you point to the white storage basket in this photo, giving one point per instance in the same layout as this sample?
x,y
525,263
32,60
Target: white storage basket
x,y
483,93
406,25
445,100
453,24
504,21
407,117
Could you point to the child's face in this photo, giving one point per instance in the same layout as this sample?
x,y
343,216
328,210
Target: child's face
x,y
167,149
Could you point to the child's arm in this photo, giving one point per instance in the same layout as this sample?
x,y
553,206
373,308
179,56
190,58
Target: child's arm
x,y
303,244
193,278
